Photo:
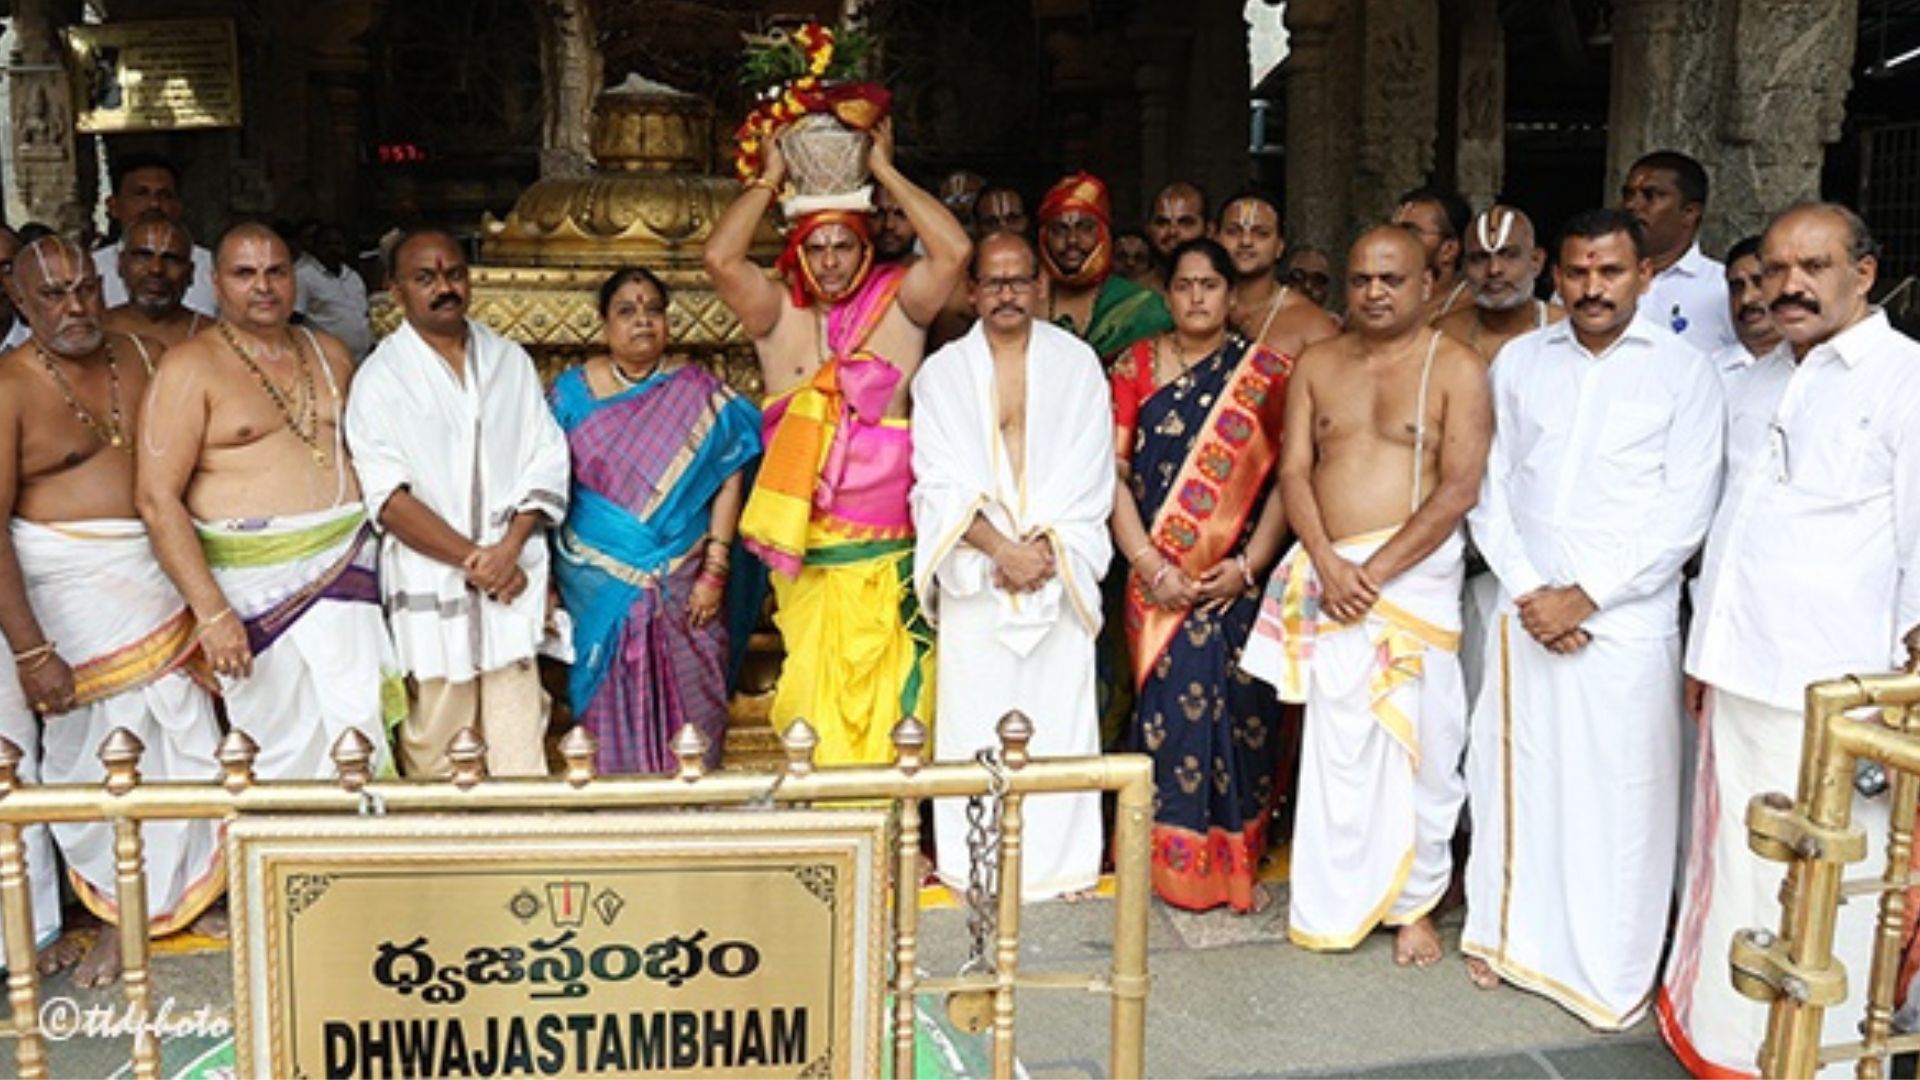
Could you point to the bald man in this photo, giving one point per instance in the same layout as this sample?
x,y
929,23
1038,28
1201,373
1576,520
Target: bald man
x,y
1386,435
1263,310
245,483
1503,260
100,638
156,268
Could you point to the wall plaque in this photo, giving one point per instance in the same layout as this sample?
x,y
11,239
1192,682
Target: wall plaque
x,y
164,75
736,944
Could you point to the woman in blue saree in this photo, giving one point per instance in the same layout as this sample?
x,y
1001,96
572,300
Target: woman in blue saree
x,y
1197,515
658,445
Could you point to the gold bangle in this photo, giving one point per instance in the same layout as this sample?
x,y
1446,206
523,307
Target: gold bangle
x,y
208,624
762,182
41,649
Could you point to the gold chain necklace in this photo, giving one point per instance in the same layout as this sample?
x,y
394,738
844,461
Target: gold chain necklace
x,y
628,382
113,433
305,427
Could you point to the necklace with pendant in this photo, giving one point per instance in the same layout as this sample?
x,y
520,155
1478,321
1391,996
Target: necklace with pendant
x,y
113,433
306,425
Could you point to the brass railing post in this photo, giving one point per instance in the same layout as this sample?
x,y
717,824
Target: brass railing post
x,y
120,753
1133,888
1015,730
16,907
909,743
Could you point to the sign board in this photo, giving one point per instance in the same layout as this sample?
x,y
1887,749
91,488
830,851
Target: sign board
x,y
164,75
737,944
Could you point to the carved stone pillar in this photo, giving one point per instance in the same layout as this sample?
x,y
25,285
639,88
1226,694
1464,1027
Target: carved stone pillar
x,y
45,184
1481,103
1399,102
1320,122
1754,89
571,77
1785,100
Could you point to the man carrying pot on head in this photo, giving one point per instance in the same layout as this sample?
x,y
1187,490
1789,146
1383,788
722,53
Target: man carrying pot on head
x,y
838,347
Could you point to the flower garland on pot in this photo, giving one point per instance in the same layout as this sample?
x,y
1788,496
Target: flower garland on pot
x,y
813,69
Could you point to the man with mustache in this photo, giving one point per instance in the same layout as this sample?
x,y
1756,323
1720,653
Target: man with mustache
x,y
838,346
1179,214
1084,296
156,266
1605,465
1812,572
248,493
1013,484
1747,304
1439,218
1265,311
462,465
1502,263
100,638
1666,191
144,184
1386,433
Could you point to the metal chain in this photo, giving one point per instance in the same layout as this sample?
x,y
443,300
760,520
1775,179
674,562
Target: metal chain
x,y
983,868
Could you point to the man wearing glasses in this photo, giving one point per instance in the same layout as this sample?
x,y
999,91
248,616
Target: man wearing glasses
x,y
1812,572
1010,519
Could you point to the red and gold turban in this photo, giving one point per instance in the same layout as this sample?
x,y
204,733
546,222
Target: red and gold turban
x,y
793,266
1082,192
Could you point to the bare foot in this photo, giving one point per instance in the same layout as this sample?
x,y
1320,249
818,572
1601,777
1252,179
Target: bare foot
x,y
65,952
1079,896
1262,900
212,922
101,966
1480,974
1417,944
928,874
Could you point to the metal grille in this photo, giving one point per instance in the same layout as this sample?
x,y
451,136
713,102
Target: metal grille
x,y
1890,196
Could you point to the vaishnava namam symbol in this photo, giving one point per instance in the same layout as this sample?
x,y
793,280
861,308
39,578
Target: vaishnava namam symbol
x,y
567,902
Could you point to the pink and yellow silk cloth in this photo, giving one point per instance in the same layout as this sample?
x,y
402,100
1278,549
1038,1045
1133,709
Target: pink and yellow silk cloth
x,y
835,466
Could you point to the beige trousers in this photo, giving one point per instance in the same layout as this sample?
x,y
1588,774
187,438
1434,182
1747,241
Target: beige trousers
x,y
506,705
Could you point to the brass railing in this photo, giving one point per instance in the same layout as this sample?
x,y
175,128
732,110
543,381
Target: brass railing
x,y
124,801
1795,969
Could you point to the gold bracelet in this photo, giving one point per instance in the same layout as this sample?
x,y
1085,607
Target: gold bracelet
x,y
773,189
208,624
38,650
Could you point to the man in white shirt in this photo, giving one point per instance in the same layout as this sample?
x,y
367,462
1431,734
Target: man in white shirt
x,y
1812,572
332,295
144,182
1747,304
462,464
1667,192
1605,464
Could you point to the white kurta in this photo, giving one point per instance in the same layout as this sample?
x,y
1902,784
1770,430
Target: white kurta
x,y
1034,651
1603,474
476,449
1812,572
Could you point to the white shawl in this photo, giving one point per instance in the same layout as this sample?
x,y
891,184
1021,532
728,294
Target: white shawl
x,y
476,450
960,469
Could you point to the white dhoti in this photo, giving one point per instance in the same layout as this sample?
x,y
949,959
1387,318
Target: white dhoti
x,y
1748,748
1573,773
980,679
19,726
1032,651
304,585
99,593
1380,788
